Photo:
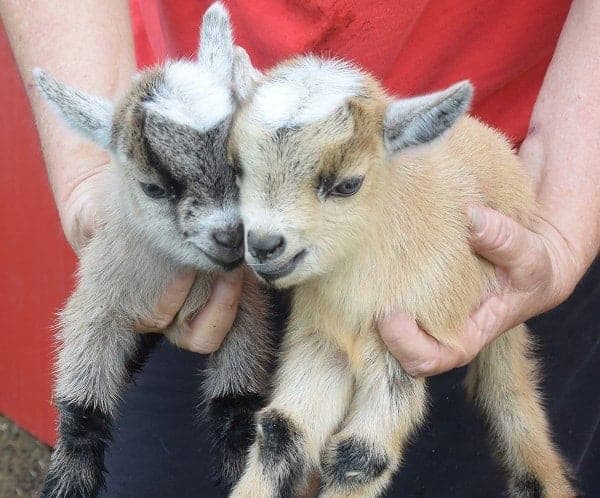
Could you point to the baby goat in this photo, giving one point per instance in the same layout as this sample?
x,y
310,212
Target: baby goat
x,y
358,200
172,205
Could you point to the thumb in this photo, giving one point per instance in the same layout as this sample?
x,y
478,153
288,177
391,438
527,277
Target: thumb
x,y
498,238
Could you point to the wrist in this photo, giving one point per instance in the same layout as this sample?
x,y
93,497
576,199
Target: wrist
x,y
567,266
79,199
567,208
69,164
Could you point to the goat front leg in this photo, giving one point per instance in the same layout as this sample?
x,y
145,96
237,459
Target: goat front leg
x,y
237,382
96,359
387,408
311,394
503,381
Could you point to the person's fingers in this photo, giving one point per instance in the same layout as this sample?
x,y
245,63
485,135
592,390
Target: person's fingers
x,y
420,354
169,304
499,239
210,326
491,319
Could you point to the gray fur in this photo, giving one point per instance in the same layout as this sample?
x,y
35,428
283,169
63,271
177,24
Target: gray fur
x,y
420,120
89,115
216,42
143,244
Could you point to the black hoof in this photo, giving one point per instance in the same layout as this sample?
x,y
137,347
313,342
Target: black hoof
x,y
351,463
77,464
279,451
233,428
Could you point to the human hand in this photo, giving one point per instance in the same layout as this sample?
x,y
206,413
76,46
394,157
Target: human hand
x,y
206,331
537,270
79,204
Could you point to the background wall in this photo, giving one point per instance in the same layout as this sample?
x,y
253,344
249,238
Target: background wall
x,y
36,264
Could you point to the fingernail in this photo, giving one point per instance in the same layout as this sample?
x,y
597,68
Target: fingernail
x,y
477,220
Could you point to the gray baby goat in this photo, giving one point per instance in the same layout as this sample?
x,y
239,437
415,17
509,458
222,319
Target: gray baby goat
x,y
172,205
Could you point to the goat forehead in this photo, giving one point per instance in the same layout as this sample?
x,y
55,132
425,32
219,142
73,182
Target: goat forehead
x,y
297,156
207,178
197,163
304,91
193,96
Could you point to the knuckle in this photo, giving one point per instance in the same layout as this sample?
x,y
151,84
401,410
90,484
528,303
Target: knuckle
x,y
206,337
498,311
501,234
226,306
204,345
468,356
421,368
159,321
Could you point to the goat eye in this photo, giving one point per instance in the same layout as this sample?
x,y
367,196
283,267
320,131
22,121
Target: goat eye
x,y
347,187
154,191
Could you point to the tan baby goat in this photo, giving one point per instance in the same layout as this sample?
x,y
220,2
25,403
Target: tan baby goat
x,y
357,200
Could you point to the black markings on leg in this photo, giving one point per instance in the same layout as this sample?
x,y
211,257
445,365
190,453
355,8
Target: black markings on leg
x,y
77,468
77,465
279,445
527,486
231,421
352,463
146,343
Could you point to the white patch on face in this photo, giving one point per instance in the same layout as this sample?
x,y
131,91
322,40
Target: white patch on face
x,y
202,237
193,96
218,218
259,218
307,91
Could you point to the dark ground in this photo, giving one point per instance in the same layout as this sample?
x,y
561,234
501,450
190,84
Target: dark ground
x,y
23,461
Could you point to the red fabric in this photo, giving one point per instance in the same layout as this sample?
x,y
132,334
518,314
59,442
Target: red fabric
x,y
36,263
413,46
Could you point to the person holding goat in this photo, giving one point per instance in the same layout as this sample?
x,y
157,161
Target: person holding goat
x,y
536,70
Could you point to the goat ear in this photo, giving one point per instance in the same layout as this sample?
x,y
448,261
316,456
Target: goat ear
x,y
420,120
89,115
245,75
215,52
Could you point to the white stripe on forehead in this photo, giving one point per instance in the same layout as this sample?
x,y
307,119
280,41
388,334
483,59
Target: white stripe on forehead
x,y
305,91
193,96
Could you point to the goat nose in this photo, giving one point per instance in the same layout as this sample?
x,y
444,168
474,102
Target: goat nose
x,y
230,236
265,247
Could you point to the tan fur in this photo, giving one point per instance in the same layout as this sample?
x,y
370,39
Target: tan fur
x,y
399,244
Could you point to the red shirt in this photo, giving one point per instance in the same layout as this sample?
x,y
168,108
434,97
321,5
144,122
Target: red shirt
x,y
412,46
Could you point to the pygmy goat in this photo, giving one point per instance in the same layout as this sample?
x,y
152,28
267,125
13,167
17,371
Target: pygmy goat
x,y
357,200
172,205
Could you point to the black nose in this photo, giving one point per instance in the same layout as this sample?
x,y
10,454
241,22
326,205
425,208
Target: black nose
x,y
230,236
265,247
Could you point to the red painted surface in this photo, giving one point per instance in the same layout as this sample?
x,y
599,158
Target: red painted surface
x,y
412,46
36,263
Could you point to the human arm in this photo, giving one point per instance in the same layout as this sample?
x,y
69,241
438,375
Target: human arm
x,y
539,268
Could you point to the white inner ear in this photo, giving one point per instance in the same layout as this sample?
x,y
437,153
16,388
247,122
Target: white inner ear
x,y
422,120
192,96
245,75
305,91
